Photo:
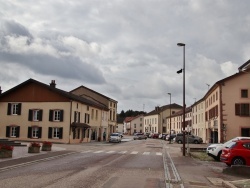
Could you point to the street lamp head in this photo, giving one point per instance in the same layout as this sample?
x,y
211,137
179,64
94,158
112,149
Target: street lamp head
x,y
169,93
181,44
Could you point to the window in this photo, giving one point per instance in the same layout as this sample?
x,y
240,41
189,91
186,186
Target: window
x,y
77,117
244,93
96,114
35,115
12,131
55,132
87,108
34,132
14,109
56,115
86,119
134,125
242,109
92,114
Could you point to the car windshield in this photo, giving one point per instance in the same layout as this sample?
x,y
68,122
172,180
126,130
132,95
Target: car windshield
x,y
231,145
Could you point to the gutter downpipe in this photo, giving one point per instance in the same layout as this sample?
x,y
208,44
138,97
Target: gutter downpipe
x,y
70,120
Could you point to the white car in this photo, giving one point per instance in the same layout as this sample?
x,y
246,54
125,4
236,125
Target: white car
x,y
115,137
215,150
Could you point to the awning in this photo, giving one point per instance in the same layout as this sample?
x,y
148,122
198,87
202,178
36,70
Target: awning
x,y
82,125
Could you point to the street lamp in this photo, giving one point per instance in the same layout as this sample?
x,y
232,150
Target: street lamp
x,y
170,120
184,105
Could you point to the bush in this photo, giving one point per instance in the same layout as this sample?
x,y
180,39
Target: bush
x,y
6,147
47,143
35,144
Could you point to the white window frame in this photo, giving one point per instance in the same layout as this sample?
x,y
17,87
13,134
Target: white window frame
x,y
35,115
35,131
13,131
14,109
56,115
56,132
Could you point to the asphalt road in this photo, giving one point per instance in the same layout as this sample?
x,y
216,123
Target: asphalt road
x,y
150,163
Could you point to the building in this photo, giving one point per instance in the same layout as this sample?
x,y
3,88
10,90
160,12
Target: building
x,y
137,124
198,120
109,103
34,111
227,104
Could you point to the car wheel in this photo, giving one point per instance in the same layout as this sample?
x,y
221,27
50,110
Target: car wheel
x,y
238,161
179,141
218,156
196,142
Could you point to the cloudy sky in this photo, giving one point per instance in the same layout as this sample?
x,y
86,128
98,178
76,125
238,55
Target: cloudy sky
x,y
124,49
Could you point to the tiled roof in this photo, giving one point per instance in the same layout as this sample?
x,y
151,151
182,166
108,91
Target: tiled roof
x,y
59,91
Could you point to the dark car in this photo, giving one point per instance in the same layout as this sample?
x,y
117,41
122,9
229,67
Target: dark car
x,y
189,138
155,135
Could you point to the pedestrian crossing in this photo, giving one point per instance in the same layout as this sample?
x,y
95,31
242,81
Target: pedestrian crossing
x,y
123,152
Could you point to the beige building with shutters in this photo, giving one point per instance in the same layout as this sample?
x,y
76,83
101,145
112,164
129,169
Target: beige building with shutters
x,y
34,111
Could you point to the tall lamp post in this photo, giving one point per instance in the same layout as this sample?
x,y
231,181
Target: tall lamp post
x,y
170,120
184,105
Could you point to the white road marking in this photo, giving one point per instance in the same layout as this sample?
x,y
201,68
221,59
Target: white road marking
x,y
158,153
110,152
146,153
122,152
99,151
86,151
134,152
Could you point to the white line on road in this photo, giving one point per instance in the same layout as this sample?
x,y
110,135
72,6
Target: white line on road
x,y
158,153
110,152
134,152
86,151
123,152
99,151
146,153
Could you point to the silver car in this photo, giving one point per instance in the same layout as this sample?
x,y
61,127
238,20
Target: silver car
x,y
115,137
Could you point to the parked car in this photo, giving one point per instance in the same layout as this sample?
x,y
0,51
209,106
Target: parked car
x,y
115,137
147,134
172,137
236,153
188,138
120,134
140,136
155,135
215,150
162,136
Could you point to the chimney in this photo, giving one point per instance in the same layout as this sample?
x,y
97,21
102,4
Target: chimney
x,y
53,84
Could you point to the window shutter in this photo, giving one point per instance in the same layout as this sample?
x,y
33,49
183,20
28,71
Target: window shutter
x,y
29,132
237,109
19,108
50,115
17,131
75,116
9,109
79,117
39,132
30,118
40,115
61,115
7,131
61,133
50,132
